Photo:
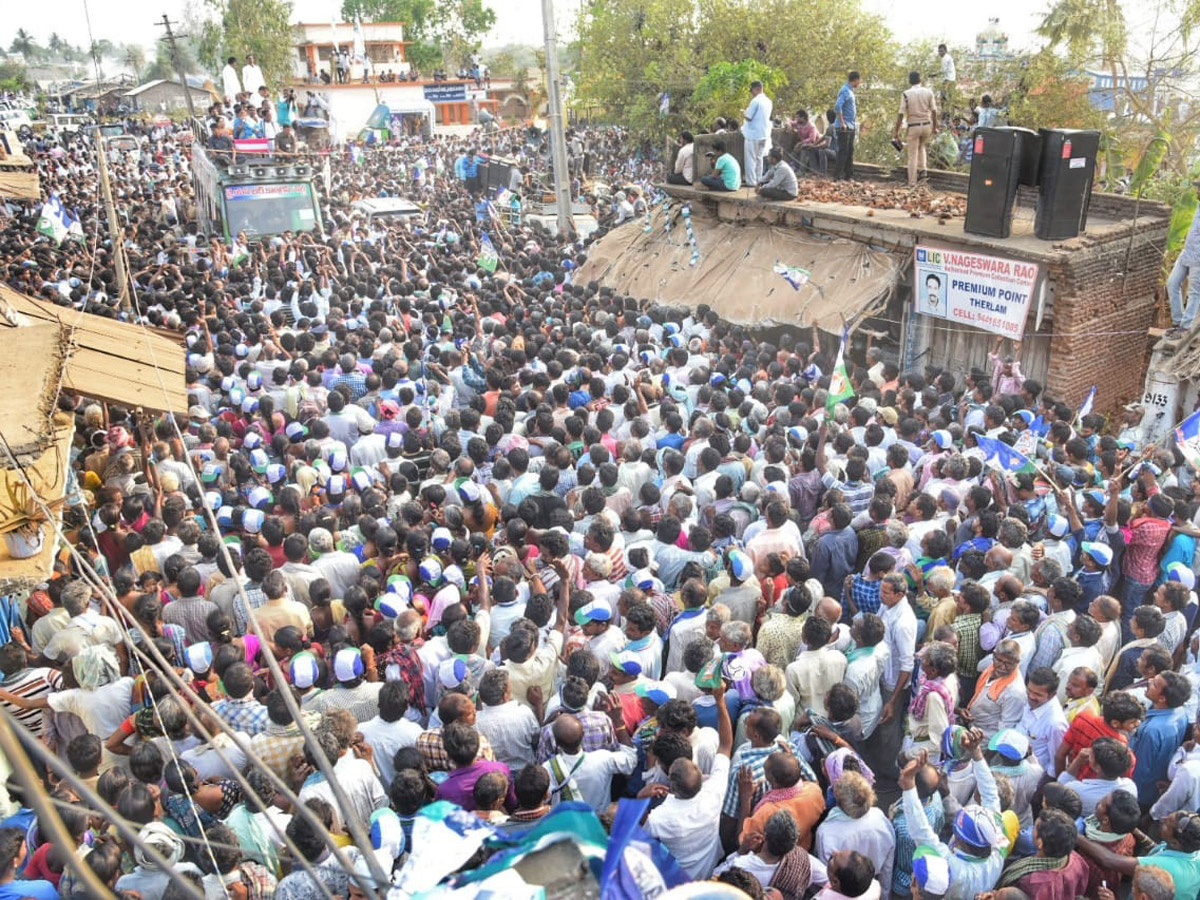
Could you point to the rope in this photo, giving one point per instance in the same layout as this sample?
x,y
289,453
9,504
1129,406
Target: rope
x,y
186,697
353,825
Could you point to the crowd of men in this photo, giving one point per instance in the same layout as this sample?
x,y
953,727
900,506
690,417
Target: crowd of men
x,y
432,537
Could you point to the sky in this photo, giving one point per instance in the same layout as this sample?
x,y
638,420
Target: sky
x,y
951,21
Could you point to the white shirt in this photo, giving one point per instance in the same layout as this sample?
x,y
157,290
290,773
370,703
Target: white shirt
x,y
862,676
230,83
252,78
102,710
757,124
872,835
1092,790
1045,726
948,73
358,779
689,828
208,763
385,738
590,773
900,635
340,569
1184,792
513,731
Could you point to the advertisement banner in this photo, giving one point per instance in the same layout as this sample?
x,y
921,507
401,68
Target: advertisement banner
x,y
265,191
444,93
986,292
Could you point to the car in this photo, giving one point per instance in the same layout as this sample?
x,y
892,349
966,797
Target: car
x,y
17,120
68,123
394,209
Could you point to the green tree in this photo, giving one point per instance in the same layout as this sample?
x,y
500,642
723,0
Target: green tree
x,y
725,87
630,52
24,44
442,33
250,27
13,76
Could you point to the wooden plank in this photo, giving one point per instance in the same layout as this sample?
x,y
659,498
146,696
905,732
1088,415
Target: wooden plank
x,y
92,374
20,185
111,360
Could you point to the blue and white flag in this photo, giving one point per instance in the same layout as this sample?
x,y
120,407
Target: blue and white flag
x,y
796,276
1187,438
999,455
1089,403
57,223
664,103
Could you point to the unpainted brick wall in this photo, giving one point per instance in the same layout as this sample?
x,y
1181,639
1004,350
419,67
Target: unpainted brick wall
x,y
1101,317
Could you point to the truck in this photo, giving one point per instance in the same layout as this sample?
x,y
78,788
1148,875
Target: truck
x,y
251,193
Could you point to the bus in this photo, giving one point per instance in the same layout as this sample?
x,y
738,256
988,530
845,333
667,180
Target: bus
x,y
252,193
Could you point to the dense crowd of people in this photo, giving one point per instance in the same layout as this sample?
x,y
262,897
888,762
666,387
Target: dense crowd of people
x,y
436,543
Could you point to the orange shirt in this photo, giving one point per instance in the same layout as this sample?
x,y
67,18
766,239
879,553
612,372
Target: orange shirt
x,y
805,801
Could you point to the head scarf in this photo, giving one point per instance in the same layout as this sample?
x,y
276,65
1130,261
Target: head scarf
x,y
96,666
161,838
835,765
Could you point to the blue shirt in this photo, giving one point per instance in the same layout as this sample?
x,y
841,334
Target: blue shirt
x,y
18,890
847,106
1155,740
833,559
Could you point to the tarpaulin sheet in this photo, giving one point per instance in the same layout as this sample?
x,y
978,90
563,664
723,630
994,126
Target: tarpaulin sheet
x,y
735,275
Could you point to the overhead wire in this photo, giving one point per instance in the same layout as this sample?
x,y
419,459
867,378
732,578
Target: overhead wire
x,y
357,832
186,697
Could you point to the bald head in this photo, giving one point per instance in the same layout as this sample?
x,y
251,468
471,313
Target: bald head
x,y
998,558
686,779
829,610
568,733
1009,587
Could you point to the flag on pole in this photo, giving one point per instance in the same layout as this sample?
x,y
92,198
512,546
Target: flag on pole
x,y
488,257
999,455
794,275
1187,438
1089,403
57,223
664,103
839,381
1039,427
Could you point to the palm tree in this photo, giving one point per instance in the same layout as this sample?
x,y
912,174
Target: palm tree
x,y
55,43
24,44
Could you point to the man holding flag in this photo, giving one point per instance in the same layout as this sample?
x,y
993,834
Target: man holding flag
x,y
840,389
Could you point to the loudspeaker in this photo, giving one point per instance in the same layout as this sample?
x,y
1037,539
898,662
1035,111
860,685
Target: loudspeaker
x,y
995,177
1065,184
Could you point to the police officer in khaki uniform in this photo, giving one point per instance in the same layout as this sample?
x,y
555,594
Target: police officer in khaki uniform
x,y
918,108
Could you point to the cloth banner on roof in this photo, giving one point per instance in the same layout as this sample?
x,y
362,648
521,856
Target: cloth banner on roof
x,y
736,275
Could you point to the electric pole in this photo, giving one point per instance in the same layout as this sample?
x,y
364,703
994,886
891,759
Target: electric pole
x,y
114,224
558,138
171,38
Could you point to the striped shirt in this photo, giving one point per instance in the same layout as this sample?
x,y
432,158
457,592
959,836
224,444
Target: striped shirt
x,y
30,684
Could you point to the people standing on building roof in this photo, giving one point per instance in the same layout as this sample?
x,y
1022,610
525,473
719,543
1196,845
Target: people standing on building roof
x,y
846,113
756,129
919,114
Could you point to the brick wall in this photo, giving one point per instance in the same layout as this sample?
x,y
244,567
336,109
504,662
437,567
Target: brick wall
x,y
1094,295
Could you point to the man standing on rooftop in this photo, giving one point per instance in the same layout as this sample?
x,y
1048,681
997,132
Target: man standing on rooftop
x,y
756,128
846,109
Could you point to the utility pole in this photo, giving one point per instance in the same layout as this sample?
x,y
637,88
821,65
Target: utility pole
x,y
133,67
114,224
171,39
558,138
